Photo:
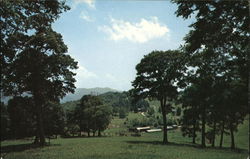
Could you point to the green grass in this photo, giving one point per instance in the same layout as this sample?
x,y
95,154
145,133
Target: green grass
x,y
148,146
117,124
241,137
134,115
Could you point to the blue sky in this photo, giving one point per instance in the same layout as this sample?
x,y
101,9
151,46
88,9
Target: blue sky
x,y
108,38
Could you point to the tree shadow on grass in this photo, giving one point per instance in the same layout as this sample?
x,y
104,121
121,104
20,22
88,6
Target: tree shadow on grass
x,y
237,150
168,144
72,137
22,147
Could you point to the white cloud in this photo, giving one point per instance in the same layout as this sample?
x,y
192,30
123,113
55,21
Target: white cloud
x,y
139,32
83,73
90,3
85,16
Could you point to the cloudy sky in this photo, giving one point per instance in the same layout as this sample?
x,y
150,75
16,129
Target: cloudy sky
x,y
108,38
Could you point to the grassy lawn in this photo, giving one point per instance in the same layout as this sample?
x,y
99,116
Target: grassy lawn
x,y
126,147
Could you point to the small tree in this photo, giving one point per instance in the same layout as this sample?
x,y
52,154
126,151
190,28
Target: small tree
x,y
55,119
92,115
191,101
157,75
103,117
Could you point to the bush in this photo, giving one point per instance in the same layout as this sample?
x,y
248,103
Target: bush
x,y
151,111
122,113
178,111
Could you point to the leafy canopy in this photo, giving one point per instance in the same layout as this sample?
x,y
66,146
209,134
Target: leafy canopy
x,y
158,74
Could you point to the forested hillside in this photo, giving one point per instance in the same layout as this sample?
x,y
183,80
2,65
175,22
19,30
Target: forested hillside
x,y
121,102
79,92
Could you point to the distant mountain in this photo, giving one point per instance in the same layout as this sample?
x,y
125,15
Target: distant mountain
x,y
5,99
79,92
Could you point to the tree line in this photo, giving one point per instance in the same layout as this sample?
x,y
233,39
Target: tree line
x,y
88,115
18,118
209,74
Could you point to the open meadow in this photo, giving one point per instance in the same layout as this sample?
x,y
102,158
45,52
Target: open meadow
x,y
117,79
148,146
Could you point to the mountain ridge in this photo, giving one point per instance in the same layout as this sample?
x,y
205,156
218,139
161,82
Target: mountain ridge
x,y
79,92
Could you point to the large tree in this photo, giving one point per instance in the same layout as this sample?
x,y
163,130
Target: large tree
x,y
33,55
20,19
222,27
157,76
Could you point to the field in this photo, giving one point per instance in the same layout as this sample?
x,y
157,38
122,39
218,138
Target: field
x,y
127,147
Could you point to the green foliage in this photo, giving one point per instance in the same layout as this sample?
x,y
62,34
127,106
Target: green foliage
x,y
151,111
178,111
34,55
22,117
90,115
191,115
223,25
102,117
140,122
122,113
140,105
117,100
218,49
158,76
26,27
152,121
54,122
68,106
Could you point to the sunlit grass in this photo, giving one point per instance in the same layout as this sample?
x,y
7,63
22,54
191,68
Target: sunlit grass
x,y
147,146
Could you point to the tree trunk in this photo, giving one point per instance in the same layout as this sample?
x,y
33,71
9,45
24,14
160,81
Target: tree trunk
x,y
194,135
41,130
99,133
36,141
39,118
88,133
213,137
232,137
221,135
93,133
203,130
165,132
